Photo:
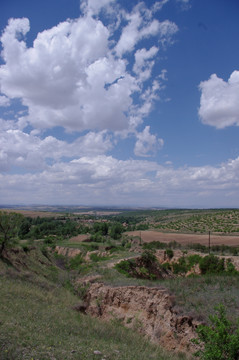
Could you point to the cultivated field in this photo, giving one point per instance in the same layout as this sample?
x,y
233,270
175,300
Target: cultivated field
x,y
184,239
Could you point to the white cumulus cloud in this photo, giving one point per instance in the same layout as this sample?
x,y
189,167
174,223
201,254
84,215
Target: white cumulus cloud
x,y
71,76
147,144
219,104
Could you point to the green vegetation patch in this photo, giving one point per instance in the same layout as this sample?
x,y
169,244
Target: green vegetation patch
x,y
219,340
144,267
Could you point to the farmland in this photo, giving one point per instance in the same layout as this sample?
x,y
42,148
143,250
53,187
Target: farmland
x,y
186,239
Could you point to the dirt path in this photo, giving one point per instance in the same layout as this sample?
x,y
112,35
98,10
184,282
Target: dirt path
x,y
152,235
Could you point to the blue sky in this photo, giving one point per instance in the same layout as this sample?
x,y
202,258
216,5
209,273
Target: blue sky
x,y
119,102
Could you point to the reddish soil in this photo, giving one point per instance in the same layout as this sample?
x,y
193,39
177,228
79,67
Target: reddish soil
x,y
184,239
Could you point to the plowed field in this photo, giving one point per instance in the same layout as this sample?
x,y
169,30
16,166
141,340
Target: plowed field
x,y
184,239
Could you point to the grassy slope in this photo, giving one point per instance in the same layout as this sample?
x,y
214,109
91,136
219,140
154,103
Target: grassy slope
x,y
37,321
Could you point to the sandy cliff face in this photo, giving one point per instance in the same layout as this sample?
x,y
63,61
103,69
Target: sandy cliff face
x,y
147,310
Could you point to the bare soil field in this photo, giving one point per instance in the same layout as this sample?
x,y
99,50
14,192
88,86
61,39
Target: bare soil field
x,y
184,239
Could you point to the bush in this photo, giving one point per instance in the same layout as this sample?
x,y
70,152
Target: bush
x,y
193,260
181,266
198,247
148,257
231,268
169,253
76,262
90,247
211,264
125,266
96,257
97,237
154,245
220,341
50,240
142,227
166,266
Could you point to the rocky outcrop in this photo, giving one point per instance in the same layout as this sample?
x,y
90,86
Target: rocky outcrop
x,y
147,310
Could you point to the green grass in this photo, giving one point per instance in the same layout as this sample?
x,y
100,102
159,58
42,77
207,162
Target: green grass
x,y
39,323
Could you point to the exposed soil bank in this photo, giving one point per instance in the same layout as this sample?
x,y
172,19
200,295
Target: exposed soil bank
x,y
147,310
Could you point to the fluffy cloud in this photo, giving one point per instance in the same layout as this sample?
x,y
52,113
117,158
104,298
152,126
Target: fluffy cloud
x,y
29,151
72,76
147,144
94,6
219,105
141,25
143,65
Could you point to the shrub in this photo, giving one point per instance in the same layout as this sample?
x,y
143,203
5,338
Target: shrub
x,y
50,240
180,267
198,247
142,227
97,237
148,257
193,260
90,247
76,262
234,251
231,268
166,266
169,253
211,264
125,266
96,257
220,340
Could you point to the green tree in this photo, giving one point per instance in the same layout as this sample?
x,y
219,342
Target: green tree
x,y
9,227
211,264
116,230
220,340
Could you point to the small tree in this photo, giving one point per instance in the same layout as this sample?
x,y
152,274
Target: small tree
x,y
9,228
220,340
211,264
